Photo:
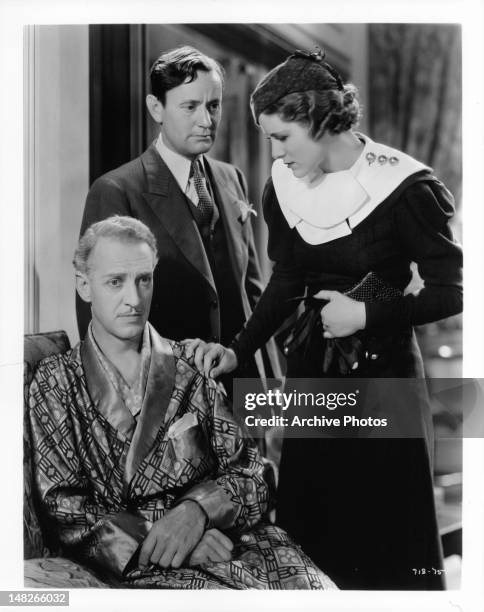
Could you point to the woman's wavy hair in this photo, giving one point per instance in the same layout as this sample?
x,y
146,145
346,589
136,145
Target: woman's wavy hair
x,y
329,110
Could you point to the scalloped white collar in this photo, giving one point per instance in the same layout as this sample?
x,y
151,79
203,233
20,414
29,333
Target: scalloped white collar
x,y
334,203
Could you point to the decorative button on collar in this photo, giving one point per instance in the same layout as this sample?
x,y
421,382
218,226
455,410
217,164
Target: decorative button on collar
x,y
370,158
382,159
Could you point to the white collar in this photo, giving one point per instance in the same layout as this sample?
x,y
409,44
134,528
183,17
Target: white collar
x,y
178,165
330,206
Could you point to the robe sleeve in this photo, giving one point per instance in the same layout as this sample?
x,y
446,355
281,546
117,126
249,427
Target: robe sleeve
x,y
237,495
286,282
421,225
88,528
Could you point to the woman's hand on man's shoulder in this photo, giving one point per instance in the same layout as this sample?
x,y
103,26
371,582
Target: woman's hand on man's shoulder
x,y
211,358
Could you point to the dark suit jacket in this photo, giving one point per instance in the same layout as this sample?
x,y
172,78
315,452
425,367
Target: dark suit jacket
x,y
185,302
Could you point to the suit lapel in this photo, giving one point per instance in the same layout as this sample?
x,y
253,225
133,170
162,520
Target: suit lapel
x,y
226,198
159,389
170,206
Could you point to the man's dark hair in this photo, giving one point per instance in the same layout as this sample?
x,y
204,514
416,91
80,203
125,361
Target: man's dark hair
x,y
179,66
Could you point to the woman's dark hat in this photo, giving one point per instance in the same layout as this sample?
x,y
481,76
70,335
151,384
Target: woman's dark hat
x,y
301,71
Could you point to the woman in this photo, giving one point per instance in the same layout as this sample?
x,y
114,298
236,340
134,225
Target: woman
x,y
346,218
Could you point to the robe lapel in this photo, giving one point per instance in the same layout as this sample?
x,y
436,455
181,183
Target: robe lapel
x,y
159,389
226,198
103,395
169,205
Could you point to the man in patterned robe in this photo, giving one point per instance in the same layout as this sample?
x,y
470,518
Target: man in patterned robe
x,y
142,472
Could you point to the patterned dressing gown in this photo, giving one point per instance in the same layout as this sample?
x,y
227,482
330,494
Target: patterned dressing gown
x,y
104,476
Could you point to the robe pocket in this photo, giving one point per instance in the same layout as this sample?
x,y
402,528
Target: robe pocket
x,y
189,419
190,449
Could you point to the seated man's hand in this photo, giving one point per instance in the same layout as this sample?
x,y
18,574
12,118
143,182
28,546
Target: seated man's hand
x,y
211,358
214,546
172,538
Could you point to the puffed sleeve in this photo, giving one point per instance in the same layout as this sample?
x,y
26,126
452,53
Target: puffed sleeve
x,y
287,281
421,222
281,237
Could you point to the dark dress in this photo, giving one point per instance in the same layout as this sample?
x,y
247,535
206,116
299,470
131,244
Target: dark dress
x,y
363,509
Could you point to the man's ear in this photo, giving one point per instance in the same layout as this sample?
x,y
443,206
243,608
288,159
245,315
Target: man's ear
x,y
83,286
155,108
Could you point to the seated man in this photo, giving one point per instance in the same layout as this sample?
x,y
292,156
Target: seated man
x,y
141,470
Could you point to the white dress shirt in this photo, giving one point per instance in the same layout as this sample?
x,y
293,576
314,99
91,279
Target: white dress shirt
x,y
179,166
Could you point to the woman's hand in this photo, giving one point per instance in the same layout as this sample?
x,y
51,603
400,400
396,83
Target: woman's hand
x,y
211,358
342,316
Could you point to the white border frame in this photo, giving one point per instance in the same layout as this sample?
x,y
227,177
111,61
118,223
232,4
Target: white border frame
x,y
14,14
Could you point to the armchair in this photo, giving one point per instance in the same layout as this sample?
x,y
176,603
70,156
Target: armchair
x,y
44,565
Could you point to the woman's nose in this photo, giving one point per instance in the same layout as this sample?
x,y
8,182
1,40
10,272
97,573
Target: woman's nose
x,y
277,149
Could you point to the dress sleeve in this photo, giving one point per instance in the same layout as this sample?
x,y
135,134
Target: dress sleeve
x,y
286,282
88,529
421,223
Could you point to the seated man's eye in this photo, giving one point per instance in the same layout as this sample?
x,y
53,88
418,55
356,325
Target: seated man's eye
x,y
114,282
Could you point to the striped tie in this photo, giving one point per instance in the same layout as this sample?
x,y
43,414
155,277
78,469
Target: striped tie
x,y
205,202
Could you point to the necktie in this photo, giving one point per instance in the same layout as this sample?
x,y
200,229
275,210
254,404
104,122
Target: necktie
x,y
205,202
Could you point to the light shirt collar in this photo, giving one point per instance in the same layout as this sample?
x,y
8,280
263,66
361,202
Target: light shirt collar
x,y
178,165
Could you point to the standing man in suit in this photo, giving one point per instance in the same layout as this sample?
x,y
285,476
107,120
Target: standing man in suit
x,y
207,280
